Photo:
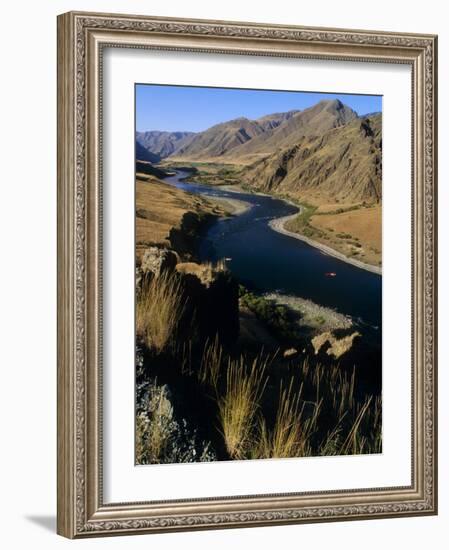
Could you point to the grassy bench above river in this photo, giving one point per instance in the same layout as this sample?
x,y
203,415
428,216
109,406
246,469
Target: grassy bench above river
x,y
165,213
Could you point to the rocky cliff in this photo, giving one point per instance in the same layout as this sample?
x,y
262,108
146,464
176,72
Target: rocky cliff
x,y
343,163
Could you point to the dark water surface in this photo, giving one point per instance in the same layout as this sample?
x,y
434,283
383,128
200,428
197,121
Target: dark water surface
x,y
268,261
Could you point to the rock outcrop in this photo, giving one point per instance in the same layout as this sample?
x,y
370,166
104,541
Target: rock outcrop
x,y
343,164
209,292
184,238
155,260
212,300
331,345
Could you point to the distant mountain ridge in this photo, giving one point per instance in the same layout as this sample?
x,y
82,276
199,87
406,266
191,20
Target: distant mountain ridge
x,y
215,141
326,151
162,144
245,140
226,138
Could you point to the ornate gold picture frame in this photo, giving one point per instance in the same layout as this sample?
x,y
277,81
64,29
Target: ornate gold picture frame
x,y
82,40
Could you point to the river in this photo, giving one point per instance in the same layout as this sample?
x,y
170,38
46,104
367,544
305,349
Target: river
x,y
268,261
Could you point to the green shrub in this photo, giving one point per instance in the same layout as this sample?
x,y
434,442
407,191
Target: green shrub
x,y
277,317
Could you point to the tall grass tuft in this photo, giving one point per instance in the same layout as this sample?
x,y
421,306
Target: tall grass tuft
x,y
284,440
239,405
159,308
211,362
292,430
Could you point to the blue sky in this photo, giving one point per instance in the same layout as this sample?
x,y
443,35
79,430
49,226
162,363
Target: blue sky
x,y
195,109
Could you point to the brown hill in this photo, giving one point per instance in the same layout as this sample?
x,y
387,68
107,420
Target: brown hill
x,y
313,121
342,164
162,144
242,140
219,139
226,138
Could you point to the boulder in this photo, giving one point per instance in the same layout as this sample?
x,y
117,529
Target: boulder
x,y
155,260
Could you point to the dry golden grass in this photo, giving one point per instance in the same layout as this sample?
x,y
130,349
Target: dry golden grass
x,y
161,207
158,310
239,405
351,444
326,207
363,224
353,427
317,414
319,411
358,425
284,440
211,362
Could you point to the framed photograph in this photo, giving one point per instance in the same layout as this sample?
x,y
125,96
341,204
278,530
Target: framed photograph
x,y
246,274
